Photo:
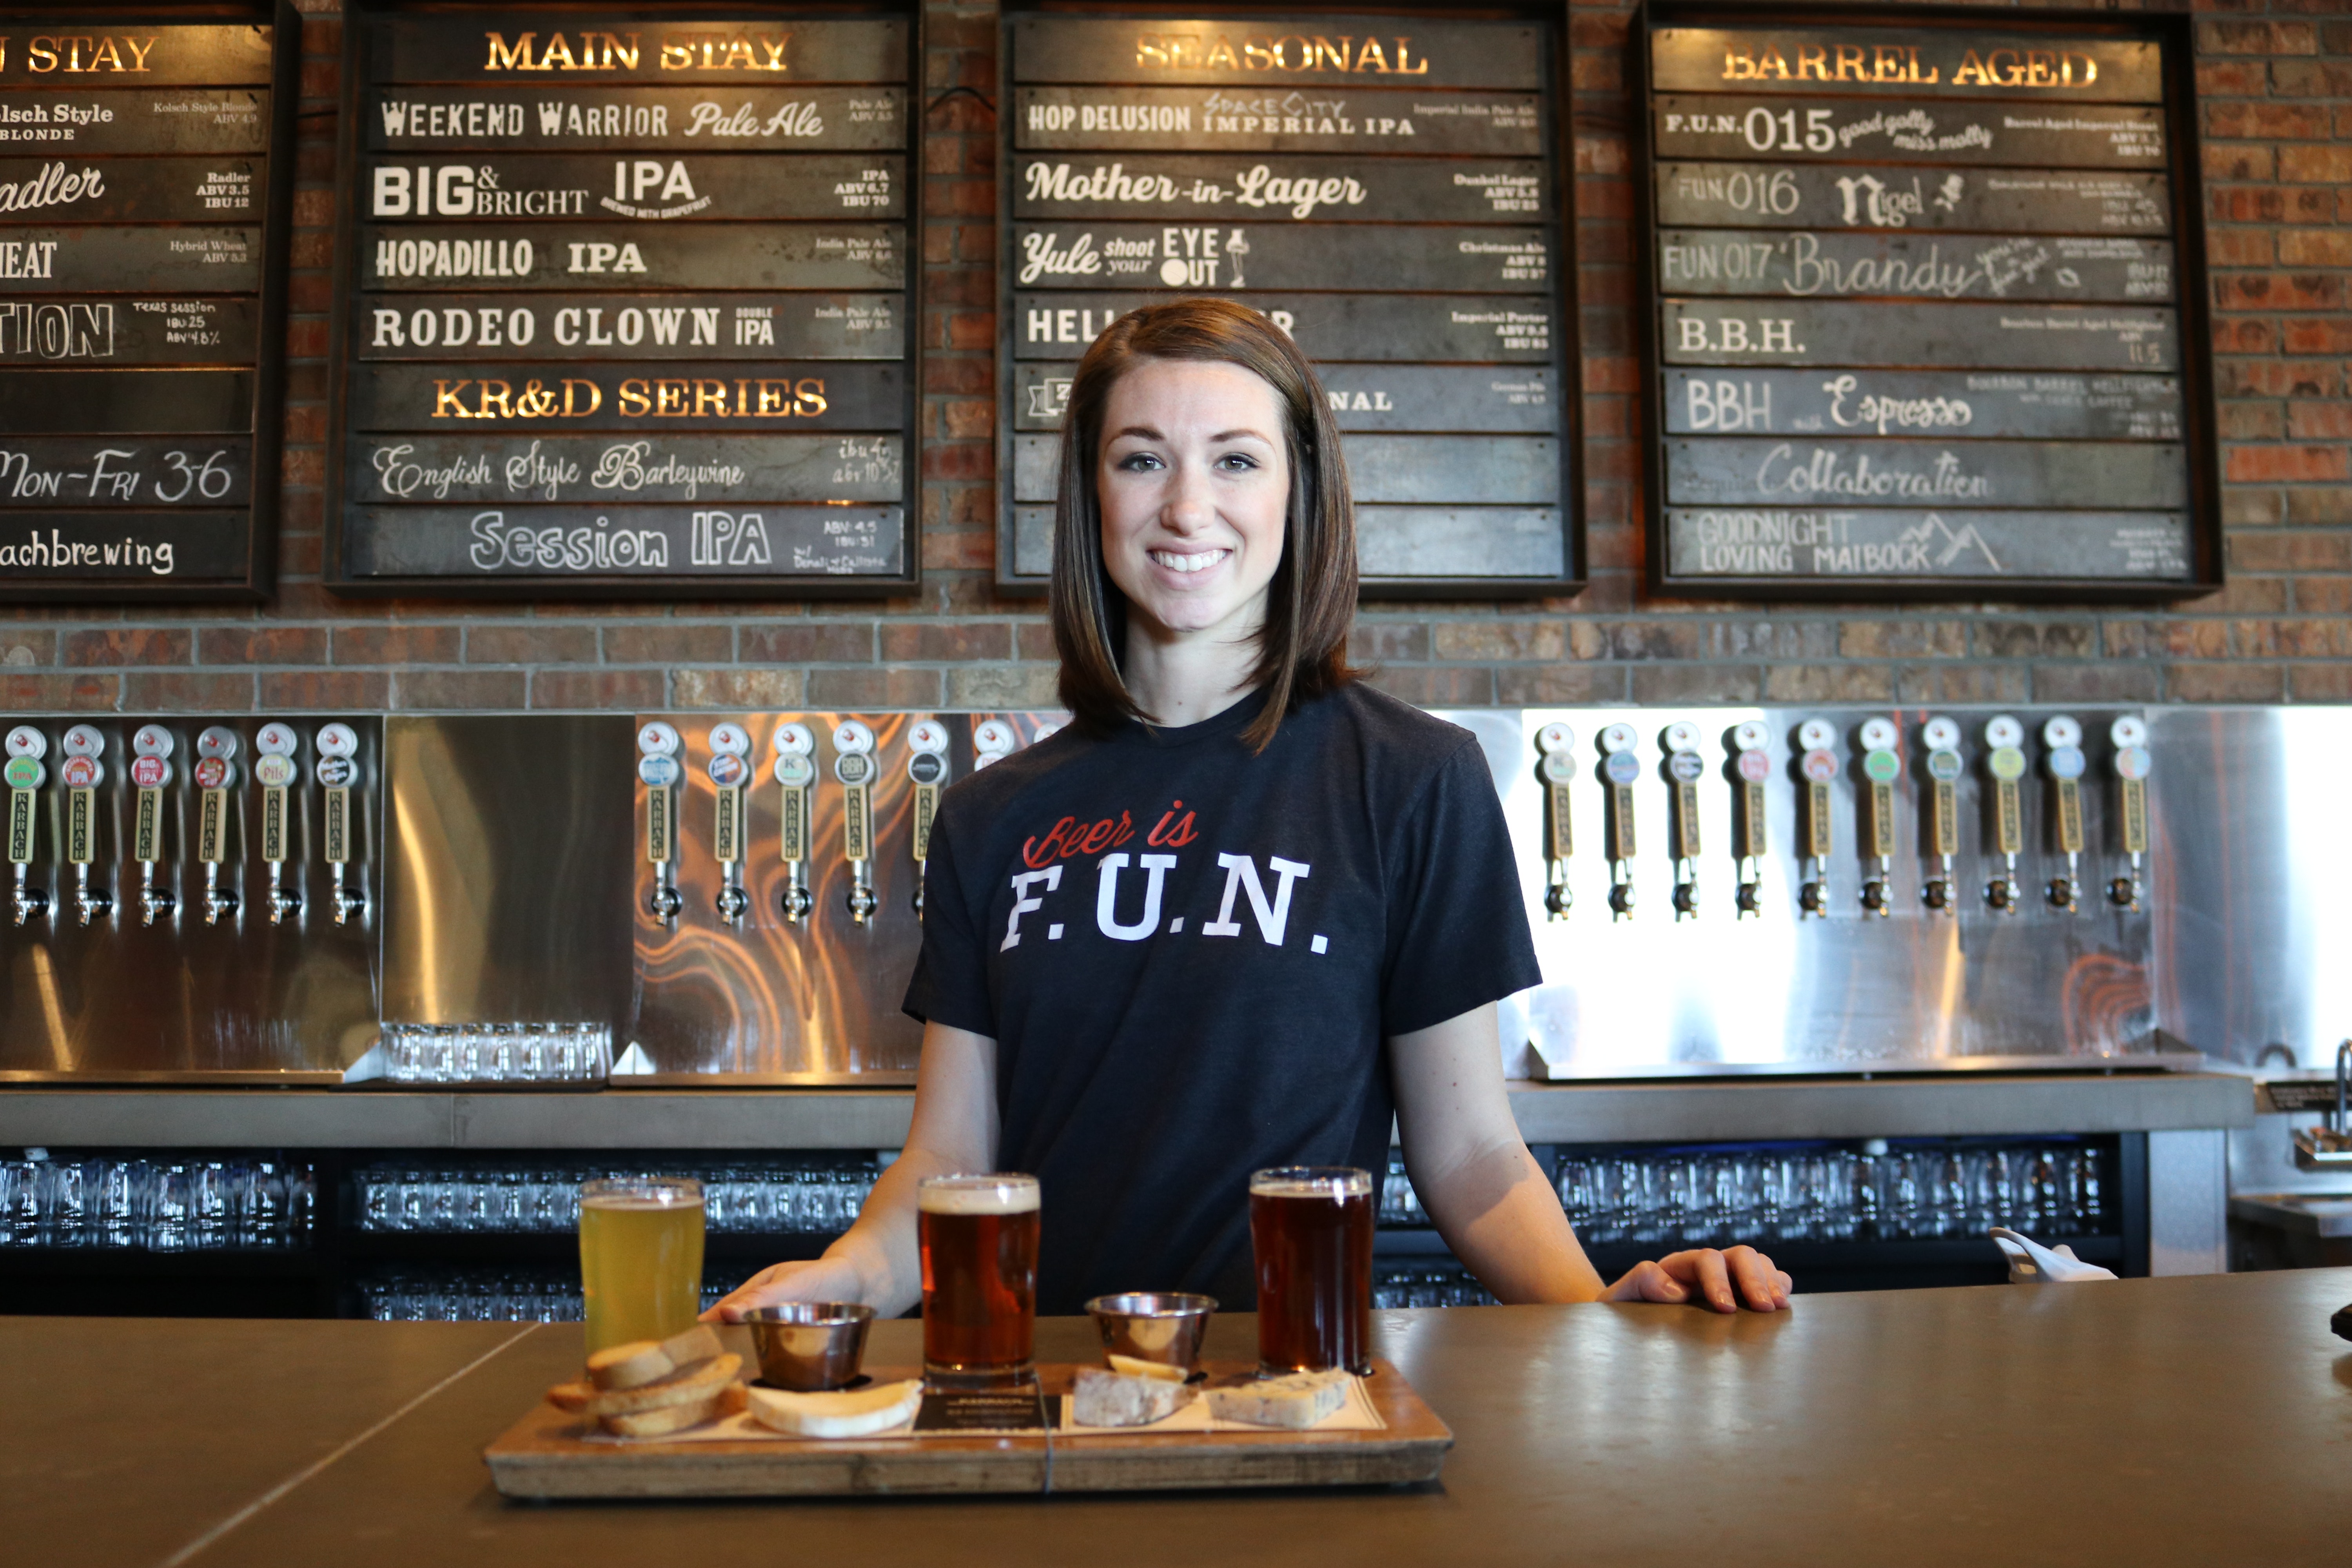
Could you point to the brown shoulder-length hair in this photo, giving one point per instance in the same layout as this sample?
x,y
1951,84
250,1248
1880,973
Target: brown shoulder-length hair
x,y
1311,603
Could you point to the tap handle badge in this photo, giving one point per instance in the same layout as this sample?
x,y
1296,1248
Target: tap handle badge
x,y
154,741
338,740
85,741
275,740
23,740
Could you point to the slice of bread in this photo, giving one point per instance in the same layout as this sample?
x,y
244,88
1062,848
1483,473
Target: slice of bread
x,y
701,1381
634,1364
661,1423
699,1343
571,1396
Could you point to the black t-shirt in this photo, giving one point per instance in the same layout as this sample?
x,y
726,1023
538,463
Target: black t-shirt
x,y
1191,959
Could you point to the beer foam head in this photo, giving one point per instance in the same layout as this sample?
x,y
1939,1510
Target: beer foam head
x,y
977,1194
1311,1181
641,1193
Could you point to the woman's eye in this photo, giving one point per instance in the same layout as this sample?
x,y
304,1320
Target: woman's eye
x,y
1139,462
1237,460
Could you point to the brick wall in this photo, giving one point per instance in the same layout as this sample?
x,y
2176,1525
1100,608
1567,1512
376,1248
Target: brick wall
x,y
2276,83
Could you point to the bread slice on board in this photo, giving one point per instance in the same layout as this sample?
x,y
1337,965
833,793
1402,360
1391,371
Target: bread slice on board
x,y
703,1379
632,1365
662,1422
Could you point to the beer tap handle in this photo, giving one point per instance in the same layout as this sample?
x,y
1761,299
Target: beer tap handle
x,y
1556,768
1619,767
26,775
1751,766
2063,739
150,772
1684,768
2132,764
215,774
277,771
82,772
1944,767
2005,761
796,772
658,767
854,767
927,769
1882,764
1817,769
338,770
730,773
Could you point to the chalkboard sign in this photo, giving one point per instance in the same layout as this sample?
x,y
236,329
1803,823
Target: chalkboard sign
x,y
146,171
626,302
1386,189
1927,306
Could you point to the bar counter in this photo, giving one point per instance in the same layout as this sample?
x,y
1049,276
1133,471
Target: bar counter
x,y
2184,1420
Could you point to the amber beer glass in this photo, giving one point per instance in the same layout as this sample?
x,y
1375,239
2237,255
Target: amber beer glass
x,y
1311,1229
979,1237
640,1258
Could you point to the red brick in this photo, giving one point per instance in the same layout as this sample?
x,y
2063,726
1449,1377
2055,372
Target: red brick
x,y
2319,682
397,644
757,691
446,689
262,645
658,642
2278,378
2331,420
2316,165
530,643
2223,683
2254,465
882,688
2317,335
186,692
1972,682
324,690
811,642
128,646
2278,291
2240,247
2096,682
2219,37
1664,683
2316,247
2290,550
600,689
59,693
2252,421
951,643
2272,121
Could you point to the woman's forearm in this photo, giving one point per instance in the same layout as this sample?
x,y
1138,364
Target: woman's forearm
x,y
1502,1220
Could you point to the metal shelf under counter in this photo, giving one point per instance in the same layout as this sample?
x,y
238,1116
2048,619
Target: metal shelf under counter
x,y
1923,1104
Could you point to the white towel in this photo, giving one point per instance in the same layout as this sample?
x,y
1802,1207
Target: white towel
x,y
2030,1263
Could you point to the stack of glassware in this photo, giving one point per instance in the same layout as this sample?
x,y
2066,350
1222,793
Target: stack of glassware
x,y
496,1053
1426,1285
1704,1197
1400,1205
165,1205
737,1199
471,1295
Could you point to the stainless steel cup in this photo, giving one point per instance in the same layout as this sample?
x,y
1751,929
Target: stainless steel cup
x,y
1163,1326
808,1346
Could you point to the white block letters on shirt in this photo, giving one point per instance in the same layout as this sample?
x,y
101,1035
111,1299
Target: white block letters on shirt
x,y
1241,874
1022,902
1155,868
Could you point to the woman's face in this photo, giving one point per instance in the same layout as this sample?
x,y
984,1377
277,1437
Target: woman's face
x,y
1194,485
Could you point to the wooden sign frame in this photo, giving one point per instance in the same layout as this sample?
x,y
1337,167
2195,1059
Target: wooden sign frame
x,y
890,516
249,563
2198,489
1402,446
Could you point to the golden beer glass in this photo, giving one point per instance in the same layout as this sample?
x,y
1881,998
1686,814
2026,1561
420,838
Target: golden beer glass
x,y
640,1258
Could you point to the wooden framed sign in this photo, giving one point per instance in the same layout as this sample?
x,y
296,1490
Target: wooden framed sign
x,y
146,172
1387,189
628,301
1927,305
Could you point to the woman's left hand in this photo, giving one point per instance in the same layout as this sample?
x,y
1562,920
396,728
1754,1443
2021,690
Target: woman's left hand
x,y
1724,1280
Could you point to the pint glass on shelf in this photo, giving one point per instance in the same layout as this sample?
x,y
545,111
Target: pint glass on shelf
x,y
979,1237
1311,1229
640,1258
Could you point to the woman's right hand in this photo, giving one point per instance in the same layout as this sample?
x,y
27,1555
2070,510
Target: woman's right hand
x,y
827,1279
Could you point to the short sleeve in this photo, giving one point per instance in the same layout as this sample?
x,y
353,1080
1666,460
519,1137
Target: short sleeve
x,y
1457,922
950,983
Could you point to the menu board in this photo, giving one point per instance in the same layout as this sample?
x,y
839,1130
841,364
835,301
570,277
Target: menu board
x,y
1927,307
1386,189
627,303
145,169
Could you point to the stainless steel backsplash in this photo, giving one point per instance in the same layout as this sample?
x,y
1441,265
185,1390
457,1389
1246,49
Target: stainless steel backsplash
x,y
504,860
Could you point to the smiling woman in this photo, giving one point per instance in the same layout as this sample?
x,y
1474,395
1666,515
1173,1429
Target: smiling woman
x,y
1245,911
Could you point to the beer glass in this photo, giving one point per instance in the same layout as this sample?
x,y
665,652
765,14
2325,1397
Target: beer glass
x,y
640,1258
979,1238
1311,1229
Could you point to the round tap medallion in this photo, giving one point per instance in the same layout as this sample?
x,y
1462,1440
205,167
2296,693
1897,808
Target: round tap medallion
x,y
337,772
1620,767
151,773
2006,763
213,773
1818,766
1945,766
659,771
26,772
82,772
1753,766
794,770
2134,762
274,772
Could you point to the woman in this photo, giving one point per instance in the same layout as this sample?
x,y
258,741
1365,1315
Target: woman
x,y
1243,910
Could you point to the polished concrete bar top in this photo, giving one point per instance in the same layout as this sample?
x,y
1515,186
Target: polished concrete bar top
x,y
1922,1105
2148,1421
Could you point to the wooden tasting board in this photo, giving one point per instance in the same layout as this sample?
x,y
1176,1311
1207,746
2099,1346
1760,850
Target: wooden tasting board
x,y
543,1457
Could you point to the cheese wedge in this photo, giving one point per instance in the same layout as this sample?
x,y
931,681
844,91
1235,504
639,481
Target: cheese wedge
x,y
856,1413
1114,1399
661,1423
1128,1366
632,1364
701,1381
1297,1401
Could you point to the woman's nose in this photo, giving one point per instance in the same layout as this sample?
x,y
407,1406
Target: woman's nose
x,y
1187,504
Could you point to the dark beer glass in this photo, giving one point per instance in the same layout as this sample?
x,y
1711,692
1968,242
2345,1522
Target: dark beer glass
x,y
1311,1229
979,1239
